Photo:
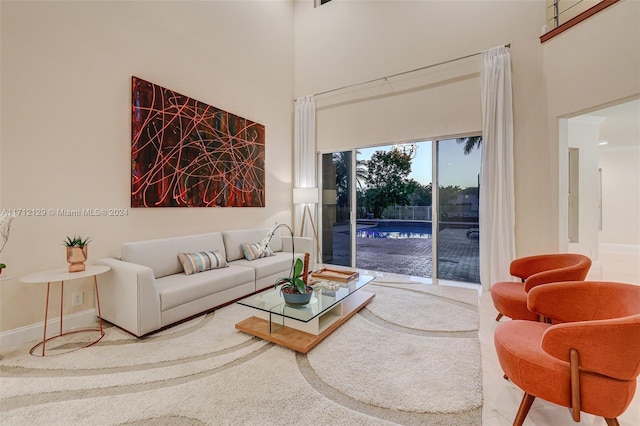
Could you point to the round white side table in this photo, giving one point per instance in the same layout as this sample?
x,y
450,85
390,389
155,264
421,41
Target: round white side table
x,y
63,275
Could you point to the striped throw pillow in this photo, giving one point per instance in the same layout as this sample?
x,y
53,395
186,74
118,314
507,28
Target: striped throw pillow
x,y
254,251
201,261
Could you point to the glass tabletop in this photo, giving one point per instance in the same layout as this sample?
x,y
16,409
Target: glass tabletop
x,y
322,300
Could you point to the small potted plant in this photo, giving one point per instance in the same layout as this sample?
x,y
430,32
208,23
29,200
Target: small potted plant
x,y
77,248
294,288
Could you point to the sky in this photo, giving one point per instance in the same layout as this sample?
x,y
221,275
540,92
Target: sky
x,y
455,168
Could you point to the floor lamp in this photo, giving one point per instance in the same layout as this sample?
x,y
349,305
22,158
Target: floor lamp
x,y
307,196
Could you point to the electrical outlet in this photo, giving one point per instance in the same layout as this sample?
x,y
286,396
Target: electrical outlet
x,y
77,298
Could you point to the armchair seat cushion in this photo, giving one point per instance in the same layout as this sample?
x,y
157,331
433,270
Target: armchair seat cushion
x,y
521,362
510,299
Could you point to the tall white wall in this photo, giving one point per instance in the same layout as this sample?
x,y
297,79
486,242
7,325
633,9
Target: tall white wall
x,y
590,66
346,42
66,120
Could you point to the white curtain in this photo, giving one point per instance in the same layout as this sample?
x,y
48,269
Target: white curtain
x,y
305,157
497,206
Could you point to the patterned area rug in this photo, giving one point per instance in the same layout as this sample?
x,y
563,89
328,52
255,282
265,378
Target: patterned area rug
x,y
412,356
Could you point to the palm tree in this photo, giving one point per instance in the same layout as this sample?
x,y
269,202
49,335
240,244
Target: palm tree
x,y
342,160
470,143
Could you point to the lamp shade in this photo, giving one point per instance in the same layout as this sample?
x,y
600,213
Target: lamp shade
x,y
305,195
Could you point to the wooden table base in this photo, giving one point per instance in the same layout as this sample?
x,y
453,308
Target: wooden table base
x,y
300,341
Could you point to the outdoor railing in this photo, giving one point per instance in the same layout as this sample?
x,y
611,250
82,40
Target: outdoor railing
x,y
407,213
449,212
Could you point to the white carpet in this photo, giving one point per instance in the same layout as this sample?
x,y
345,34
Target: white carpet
x,y
433,308
412,356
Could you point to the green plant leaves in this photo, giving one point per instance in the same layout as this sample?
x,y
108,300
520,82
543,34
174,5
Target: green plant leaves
x,y
76,241
295,281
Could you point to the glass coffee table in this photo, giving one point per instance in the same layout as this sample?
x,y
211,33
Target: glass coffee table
x,y
300,328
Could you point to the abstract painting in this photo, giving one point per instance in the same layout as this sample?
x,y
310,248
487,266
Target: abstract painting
x,y
185,153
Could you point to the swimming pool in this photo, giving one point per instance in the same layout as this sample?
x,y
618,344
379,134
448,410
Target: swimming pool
x,y
395,230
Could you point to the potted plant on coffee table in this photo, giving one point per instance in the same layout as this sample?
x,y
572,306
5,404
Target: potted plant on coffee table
x,y
294,288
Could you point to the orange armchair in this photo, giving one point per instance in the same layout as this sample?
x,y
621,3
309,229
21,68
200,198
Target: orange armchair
x,y
510,298
589,361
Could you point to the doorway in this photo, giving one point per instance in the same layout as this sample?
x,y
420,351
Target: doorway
x,y
599,189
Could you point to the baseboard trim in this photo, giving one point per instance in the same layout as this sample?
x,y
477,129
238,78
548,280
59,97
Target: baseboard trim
x,y
14,339
619,248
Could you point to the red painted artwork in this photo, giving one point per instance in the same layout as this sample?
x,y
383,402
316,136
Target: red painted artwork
x,y
185,153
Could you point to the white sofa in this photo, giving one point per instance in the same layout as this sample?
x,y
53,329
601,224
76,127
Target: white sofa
x,y
147,289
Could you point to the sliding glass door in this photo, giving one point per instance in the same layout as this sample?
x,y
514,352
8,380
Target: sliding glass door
x,y
336,208
458,238
394,209
379,212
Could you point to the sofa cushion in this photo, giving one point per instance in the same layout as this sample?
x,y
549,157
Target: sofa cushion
x,y
201,261
233,240
178,289
253,251
161,255
266,266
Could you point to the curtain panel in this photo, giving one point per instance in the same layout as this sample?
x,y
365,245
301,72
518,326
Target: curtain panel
x,y
497,205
